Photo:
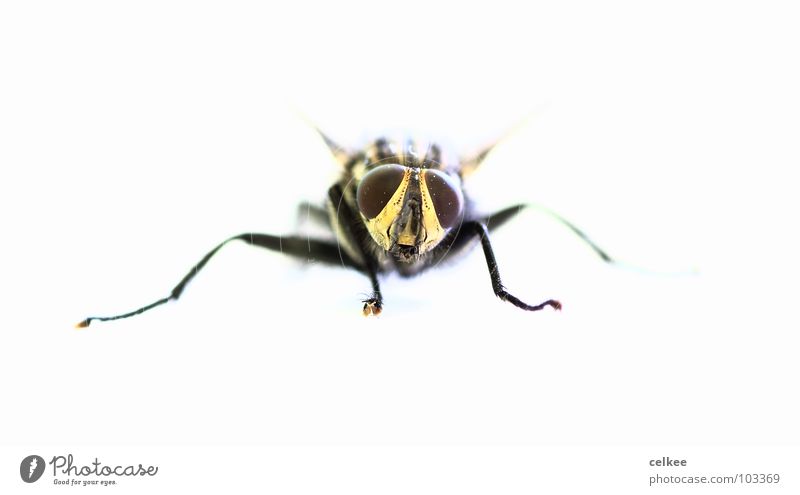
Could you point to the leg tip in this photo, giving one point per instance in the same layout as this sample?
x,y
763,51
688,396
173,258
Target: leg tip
x,y
372,307
83,324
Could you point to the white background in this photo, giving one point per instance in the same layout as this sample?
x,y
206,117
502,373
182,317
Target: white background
x,y
135,137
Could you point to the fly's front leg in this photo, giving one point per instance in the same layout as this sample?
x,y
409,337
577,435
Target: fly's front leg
x,y
480,229
348,224
373,305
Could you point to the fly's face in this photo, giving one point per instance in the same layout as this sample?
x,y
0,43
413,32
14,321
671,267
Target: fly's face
x,y
409,209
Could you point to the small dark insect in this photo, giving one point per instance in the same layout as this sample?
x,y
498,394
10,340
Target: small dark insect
x,y
398,206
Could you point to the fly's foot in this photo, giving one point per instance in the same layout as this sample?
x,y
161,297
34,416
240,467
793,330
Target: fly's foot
x,y
372,306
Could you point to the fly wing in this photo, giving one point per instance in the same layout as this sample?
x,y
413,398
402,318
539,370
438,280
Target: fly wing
x,y
339,152
470,163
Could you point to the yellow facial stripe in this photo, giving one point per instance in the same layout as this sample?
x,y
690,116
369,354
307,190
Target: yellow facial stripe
x,y
379,226
430,222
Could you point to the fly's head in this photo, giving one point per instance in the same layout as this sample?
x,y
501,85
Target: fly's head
x,y
409,208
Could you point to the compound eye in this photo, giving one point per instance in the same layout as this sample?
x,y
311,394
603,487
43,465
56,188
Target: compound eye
x,y
377,187
448,201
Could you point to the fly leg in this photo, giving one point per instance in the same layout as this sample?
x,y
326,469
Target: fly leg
x,y
497,219
373,305
298,247
465,235
480,229
311,212
354,233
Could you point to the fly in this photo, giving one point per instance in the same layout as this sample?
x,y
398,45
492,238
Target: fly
x,y
397,207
